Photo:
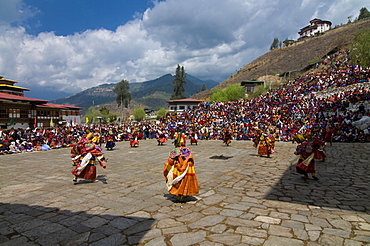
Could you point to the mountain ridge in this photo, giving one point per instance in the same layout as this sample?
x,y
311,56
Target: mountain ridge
x,y
148,94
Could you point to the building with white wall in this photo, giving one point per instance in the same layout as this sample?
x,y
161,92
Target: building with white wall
x,y
180,105
315,26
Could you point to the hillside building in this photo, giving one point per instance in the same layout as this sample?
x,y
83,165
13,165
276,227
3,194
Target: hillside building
x,y
18,111
180,105
250,85
315,26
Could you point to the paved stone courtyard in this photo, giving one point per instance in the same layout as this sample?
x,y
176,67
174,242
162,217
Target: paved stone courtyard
x,y
243,200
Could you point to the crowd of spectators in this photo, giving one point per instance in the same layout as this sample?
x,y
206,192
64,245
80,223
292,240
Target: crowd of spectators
x,y
328,100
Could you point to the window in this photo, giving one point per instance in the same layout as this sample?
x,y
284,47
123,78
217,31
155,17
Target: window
x,y
24,114
249,89
32,113
14,113
3,114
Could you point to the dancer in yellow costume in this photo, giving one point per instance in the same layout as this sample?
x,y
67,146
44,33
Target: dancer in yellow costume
x,y
179,173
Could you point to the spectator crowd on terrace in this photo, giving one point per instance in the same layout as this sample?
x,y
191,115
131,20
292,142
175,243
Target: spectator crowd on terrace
x,y
330,99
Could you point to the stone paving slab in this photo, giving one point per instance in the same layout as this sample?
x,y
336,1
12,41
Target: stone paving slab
x,y
243,200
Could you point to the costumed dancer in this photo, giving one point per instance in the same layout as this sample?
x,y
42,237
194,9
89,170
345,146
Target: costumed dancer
x,y
179,173
328,133
96,139
227,137
264,144
161,139
134,139
109,145
319,149
306,156
180,139
85,156
194,138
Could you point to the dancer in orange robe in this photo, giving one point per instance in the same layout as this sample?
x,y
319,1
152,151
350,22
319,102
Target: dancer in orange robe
x,y
179,173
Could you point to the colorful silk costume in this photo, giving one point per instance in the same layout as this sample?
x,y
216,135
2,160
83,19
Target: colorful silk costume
x,y
227,138
180,139
194,139
179,173
134,140
85,156
306,162
161,139
263,143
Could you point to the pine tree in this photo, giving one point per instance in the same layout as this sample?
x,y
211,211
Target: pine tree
x,y
364,13
179,83
275,44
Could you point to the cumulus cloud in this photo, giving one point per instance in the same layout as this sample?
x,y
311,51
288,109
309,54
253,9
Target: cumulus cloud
x,y
212,39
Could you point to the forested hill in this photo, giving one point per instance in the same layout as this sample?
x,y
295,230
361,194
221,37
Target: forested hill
x,y
294,57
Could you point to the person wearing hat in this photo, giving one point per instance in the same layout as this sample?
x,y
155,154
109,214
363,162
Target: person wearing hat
x,y
306,156
85,156
263,143
179,173
97,139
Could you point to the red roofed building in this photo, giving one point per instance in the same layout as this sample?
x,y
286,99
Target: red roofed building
x,y
18,111
179,105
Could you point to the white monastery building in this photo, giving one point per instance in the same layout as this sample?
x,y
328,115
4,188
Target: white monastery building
x,y
315,26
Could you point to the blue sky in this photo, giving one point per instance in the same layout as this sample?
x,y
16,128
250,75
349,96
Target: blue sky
x,y
66,17
54,46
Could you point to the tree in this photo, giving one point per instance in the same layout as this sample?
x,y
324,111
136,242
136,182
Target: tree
x,y
139,114
104,111
179,83
106,116
231,93
349,19
218,95
275,44
235,92
91,114
203,88
161,113
123,95
286,42
364,13
360,48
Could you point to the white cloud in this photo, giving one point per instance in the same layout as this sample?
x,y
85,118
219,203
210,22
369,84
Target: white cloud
x,y
212,39
15,12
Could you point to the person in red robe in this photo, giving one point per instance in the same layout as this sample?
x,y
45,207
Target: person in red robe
x,y
306,157
85,156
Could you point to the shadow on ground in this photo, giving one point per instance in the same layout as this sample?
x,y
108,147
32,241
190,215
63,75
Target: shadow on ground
x,y
185,199
26,225
343,184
